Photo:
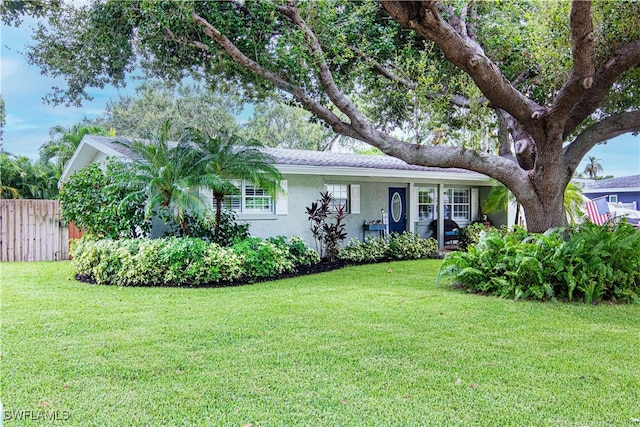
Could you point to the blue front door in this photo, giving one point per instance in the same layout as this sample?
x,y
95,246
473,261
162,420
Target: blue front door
x,y
397,210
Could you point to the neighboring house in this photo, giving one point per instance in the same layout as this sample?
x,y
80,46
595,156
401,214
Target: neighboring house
x,y
369,186
623,192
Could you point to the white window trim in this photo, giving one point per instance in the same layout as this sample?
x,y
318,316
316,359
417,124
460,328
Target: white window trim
x,y
244,211
348,207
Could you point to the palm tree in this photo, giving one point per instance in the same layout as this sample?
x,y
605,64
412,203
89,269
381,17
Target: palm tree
x,y
229,157
23,178
168,175
593,168
64,142
9,176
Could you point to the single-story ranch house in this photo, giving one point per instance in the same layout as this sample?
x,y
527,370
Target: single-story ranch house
x,y
371,187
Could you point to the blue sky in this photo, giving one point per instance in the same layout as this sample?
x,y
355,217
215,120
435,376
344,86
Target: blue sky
x,y
29,118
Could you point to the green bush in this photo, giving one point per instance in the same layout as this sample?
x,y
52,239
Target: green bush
x,y
263,258
298,251
97,207
185,261
394,247
470,235
586,262
204,228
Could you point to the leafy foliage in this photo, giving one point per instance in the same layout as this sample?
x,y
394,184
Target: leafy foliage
x,y
64,142
395,247
185,106
23,178
91,200
186,261
226,157
263,258
586,262
470,235
327,226
204,228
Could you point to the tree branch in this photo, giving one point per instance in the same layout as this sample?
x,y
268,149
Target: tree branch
x,y
622,60
315,107
466,54
605,129
342,102
491,165
583,50
457,100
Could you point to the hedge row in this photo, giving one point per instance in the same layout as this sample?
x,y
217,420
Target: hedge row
x,y
187,261
394,247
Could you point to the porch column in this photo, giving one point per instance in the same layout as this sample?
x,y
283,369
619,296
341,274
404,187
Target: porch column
x,y
412,208
440,222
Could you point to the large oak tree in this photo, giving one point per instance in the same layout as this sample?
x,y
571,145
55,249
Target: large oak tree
x,y
519,91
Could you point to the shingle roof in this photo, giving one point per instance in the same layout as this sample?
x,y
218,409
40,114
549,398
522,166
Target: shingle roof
x,y
630,182
284,156
333,159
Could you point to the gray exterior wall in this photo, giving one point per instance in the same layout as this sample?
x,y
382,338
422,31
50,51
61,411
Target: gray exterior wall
x,y
374,195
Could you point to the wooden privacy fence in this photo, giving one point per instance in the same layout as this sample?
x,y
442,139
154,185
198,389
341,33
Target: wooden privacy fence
x,y
31,230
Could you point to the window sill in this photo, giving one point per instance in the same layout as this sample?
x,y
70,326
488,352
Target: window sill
x,y
254,217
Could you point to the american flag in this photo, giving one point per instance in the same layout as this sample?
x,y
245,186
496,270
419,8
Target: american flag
x,y
598,210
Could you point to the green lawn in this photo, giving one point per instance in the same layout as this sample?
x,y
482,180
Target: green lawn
x,y
369,345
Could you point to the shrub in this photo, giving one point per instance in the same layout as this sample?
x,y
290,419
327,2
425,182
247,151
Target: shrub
x,y
298,251
587,262
394,247
327,226
185,261
470,235
96,207
263,258
204,228
411,246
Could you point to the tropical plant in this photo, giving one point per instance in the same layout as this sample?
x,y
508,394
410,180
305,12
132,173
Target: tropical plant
x,y
23,178
64,141
168,176
587,261
228,158
327,225
593,168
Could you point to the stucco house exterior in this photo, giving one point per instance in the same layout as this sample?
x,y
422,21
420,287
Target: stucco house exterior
x,y
371,188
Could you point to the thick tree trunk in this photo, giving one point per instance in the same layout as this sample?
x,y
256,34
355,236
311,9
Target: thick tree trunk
x,y
548,212
543,202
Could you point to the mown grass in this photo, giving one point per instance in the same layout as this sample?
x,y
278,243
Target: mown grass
x,y
369,345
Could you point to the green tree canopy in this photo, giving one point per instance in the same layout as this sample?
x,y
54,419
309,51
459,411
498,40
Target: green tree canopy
x,y
227,158
277,124
64,141
23,178
185,106
519,91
